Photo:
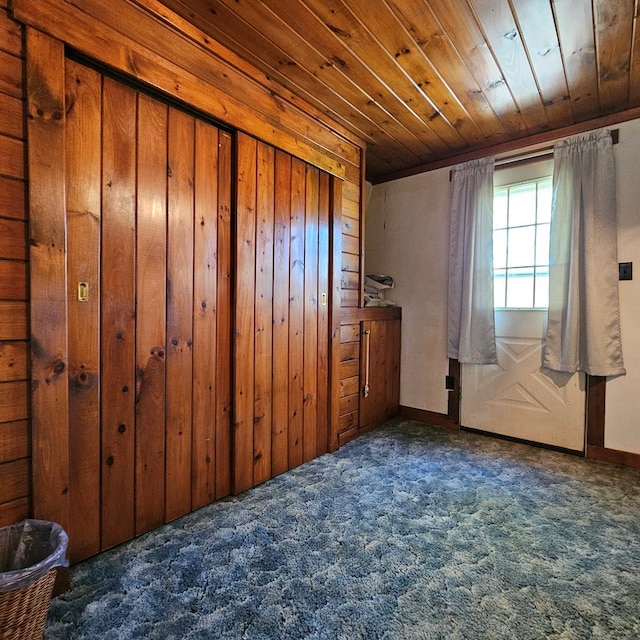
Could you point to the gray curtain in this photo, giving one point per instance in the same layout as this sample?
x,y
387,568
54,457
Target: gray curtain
x,y
583,330
471,329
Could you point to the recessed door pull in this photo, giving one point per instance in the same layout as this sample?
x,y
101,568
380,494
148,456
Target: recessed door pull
x,y
83,292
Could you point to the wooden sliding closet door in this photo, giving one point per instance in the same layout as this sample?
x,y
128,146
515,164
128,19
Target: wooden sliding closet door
x,y
149,310
183,309
282,313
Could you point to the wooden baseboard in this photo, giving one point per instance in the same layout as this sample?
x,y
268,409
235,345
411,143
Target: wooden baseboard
x,y
354,432
374,425
347,436
430,417
601,454
613,456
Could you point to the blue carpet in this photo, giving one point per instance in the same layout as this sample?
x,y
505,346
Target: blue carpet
x,y
410,532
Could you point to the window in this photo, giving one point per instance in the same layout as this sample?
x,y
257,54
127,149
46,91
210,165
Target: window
x,y
521,223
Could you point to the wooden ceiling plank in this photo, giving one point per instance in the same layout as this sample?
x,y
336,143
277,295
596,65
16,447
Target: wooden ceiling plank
x,y
264,55
538,30
614,36
297,28
365,65
501,32
461,28
319,74
377,164
291,90
387,29
634,71
574,25
342,23
419,21
300,17
163,11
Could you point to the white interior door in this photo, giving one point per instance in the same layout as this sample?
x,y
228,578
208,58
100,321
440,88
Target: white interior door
x,y
517,397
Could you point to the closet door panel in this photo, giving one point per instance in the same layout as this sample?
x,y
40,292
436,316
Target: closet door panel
x,y
224,312
205,275
281,245
296,314
180,219
282,313
310,388
118,311
263,345
245,314
198,350
151,256
149,311
322,427
83,153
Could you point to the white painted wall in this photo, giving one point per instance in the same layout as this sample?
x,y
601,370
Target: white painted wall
x,y
622,420
407,237
407,234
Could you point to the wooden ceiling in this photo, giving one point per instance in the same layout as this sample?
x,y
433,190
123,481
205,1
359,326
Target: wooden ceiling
x,y
426,80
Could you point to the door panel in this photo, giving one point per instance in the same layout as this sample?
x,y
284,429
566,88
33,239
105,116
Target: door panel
x,y
83,175
149,231
379,371
152,381
151,304
224,314
296,315
180,185
264,312
516,397
281,318
324,265
281,252
244,329
118,330
311,373
205,285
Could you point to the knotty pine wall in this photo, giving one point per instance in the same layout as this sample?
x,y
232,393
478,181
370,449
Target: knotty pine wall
x,y
15,450
145,41
350,331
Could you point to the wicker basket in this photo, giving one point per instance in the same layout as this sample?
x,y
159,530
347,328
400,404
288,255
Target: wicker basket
x,y
23,612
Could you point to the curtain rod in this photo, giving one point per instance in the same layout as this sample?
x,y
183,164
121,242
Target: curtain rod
x,y
542,153
527,158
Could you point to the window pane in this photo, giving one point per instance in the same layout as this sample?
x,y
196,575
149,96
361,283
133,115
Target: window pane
x,y
544,200
542,288
522,247
500,249
522,215
522,204
500,202
499,293
520,288
542,244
